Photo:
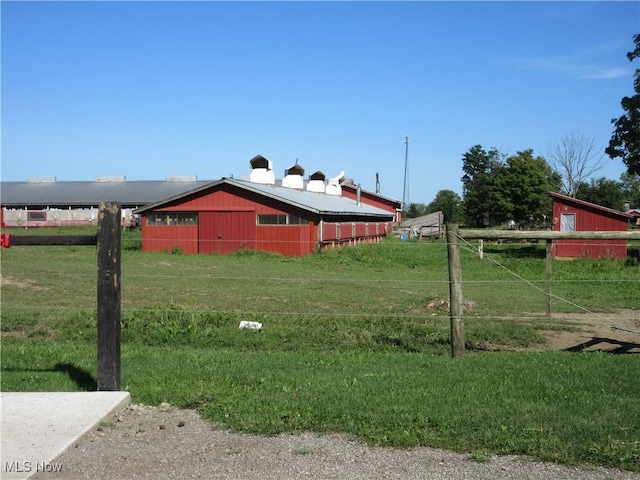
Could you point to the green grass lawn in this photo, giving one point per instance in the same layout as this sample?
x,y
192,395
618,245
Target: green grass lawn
x,y
348,344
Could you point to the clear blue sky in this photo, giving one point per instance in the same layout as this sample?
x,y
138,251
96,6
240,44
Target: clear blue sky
x,y
152,89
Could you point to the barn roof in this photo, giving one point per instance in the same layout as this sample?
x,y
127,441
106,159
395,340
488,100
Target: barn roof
x,y
589,206
314,202
428,220
89,193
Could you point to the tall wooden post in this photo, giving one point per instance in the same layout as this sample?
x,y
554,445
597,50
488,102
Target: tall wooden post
x,y
548,277
109,243
455,291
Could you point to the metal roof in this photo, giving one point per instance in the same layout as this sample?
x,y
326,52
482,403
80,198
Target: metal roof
x,y
593,206
318,203
130,193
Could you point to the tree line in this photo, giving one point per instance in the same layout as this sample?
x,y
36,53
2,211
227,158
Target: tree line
x,y
514,189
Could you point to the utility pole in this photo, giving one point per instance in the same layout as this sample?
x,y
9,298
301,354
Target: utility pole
x,y
405,190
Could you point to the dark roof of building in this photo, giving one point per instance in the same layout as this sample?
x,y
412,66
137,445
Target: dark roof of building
x,y
130,193
587,205
318,203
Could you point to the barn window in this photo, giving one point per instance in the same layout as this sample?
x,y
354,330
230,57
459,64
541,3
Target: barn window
x,y
163,219
187,219
272,219
295,220
281,220
36,216
568,222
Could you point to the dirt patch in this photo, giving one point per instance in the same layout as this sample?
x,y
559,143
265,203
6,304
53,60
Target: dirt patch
x,y
616,332
441,304
19,283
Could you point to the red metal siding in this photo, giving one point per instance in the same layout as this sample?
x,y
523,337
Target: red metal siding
x,y
329,231
226,232
167,238
337,234
288,240
214,201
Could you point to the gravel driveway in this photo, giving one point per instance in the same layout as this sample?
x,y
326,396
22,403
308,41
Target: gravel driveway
x,y
145,442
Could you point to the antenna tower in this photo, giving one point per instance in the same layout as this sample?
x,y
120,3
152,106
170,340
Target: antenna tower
x,y
405,190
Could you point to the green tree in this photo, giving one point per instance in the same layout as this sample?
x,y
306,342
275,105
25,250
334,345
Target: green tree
x,y
625,140
631,189
450,204
478,182
522,192
415,210
605,192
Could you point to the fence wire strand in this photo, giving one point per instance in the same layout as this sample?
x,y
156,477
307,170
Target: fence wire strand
x,y
613,324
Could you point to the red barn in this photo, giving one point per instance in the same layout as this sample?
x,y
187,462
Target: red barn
x,y
375,199
230,214
572,215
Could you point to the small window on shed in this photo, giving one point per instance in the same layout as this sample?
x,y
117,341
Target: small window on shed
x,y
295,220
188,218
172,219
272,219
36,216
568,222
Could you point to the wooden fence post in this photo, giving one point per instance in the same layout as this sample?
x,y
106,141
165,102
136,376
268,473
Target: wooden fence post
x,y
455,291
109,245
548,277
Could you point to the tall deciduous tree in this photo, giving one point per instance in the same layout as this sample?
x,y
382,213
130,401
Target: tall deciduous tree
x,y
625,141
603,191
480,168
575,158
523,187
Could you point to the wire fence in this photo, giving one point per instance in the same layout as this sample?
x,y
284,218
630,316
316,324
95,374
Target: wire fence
x,y
388,279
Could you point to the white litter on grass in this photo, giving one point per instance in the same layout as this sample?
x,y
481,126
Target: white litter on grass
x,y
246,325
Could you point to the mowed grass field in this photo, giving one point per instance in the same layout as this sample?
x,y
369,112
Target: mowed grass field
x,y
353,341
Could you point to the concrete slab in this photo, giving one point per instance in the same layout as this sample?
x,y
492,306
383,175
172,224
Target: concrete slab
x,y
36,427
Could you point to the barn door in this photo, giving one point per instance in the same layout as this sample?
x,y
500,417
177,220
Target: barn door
x,y
226,232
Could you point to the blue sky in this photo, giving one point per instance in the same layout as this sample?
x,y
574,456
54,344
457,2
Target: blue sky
x,y
148,90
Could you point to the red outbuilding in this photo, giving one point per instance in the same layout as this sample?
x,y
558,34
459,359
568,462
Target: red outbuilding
x,y
572,215
290,219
